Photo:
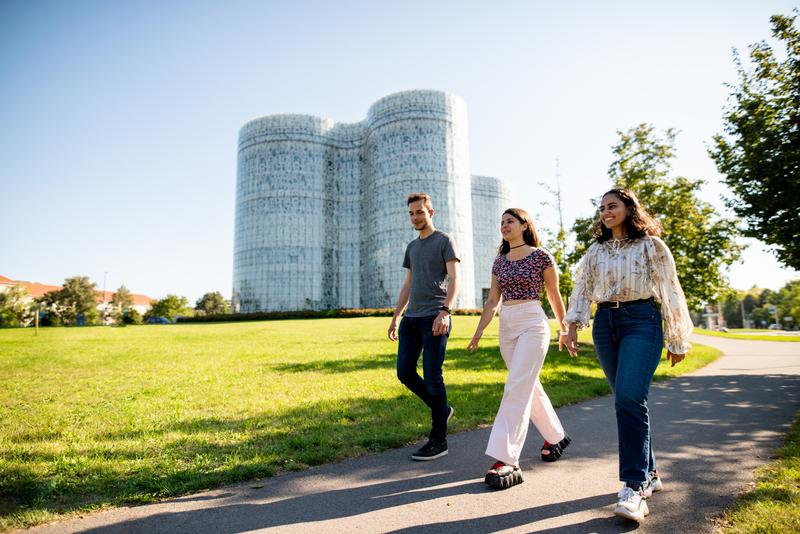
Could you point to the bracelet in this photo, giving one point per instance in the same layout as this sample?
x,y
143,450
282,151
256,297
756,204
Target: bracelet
x,y
445,308
562,333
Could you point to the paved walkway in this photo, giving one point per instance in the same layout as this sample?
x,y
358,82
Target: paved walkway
x,y
713,428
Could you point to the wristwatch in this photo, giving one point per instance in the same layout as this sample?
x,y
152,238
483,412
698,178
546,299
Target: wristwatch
x,y
445,308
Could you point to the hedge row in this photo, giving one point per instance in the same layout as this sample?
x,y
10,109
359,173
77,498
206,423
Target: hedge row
x,y
304,314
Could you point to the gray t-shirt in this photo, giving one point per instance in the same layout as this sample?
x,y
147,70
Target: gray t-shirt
x,y
427,258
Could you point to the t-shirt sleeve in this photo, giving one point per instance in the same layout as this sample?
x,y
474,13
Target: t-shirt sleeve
x,y
546,259
407,259
449,251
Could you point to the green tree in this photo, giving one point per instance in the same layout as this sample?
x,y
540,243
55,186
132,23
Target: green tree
x,y
169,307
121,302
78,297
759,152
702,242
212,304
14,309
75,303
732,310
122,299
787,301
51,306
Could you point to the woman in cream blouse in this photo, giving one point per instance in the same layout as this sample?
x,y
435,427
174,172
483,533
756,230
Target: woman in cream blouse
x,y
630,273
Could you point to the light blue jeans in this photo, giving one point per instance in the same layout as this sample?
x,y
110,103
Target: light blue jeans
x,y
628,343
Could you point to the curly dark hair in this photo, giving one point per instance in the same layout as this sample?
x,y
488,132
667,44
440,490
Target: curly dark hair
x,y
638,222
528,235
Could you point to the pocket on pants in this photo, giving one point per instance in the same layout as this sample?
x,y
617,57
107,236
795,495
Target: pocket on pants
x,y
645,311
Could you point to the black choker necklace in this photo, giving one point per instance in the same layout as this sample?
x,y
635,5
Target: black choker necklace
x,y
512,248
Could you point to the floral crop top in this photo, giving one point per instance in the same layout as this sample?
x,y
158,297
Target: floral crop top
x,y
522,279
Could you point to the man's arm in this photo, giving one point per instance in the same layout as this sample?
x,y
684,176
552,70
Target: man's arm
x,y
442,323
402,301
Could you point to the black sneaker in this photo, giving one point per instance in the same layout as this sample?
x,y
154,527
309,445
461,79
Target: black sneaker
x,y
430,451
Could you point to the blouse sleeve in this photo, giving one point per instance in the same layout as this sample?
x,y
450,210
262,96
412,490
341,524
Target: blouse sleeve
x,y
580,302
677,322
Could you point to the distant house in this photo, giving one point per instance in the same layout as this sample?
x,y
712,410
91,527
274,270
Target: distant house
x,y
33,290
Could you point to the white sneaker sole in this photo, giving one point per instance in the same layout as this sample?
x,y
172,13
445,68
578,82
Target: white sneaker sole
x,y
426,458
638,516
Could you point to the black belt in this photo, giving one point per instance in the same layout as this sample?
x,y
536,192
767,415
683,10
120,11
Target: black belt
x,y
622,304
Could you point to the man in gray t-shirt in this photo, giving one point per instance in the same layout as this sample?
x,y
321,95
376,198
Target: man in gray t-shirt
x,y
429,290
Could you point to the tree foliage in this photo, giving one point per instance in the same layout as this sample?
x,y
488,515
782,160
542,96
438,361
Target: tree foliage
x,y
169,307
74,304
14,309
702,242
121,303
212,304
759,151
122,299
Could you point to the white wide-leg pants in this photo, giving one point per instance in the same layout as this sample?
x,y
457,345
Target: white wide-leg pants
x,y
524,337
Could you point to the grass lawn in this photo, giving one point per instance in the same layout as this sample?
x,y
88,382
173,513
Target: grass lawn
x,y
752,335
97,417
773,505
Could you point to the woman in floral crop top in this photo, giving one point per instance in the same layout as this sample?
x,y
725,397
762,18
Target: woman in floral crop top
x,y
630,274
520,274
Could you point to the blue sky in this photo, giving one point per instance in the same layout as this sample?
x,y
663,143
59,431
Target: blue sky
x,y
120,119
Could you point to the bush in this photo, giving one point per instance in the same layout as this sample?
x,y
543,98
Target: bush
x,y
128,316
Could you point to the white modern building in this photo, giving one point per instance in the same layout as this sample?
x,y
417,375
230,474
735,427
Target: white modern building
x,y
321,215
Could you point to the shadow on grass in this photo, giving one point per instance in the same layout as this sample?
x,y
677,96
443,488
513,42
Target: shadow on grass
x,y
488,358
191,455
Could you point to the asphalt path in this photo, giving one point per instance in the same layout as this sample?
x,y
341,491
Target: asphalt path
x,y
712,429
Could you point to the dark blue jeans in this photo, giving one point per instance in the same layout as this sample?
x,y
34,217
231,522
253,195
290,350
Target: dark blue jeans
x,y
416,335
628,343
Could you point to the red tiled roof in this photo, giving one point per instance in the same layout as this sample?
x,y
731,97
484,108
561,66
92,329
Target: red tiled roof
x,y
138,300
35,290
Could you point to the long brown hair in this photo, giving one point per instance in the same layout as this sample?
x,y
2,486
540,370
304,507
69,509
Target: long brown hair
x,y
638,222
528,235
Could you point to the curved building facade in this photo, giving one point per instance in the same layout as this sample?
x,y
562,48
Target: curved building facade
x,y
321,219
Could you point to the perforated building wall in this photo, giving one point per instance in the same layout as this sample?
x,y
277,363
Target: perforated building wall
x,y
321,219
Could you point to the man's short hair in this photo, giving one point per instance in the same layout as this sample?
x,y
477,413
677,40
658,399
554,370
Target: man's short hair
x,y
424,197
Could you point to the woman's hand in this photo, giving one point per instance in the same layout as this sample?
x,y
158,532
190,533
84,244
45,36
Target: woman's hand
x,y
572,340
562,340
473,345
675,358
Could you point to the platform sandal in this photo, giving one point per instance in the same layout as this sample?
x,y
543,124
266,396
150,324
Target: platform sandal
x,y
553,451
503,476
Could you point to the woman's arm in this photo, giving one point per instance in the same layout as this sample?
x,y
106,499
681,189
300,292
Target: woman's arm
x,y
489,310
580,302
677,321
550,276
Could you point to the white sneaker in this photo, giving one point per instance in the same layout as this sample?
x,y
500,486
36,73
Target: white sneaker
x,y
631,505
655,483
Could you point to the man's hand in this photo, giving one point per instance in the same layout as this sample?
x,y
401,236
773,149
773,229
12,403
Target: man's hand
x,y
675,358
441,325
393,329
